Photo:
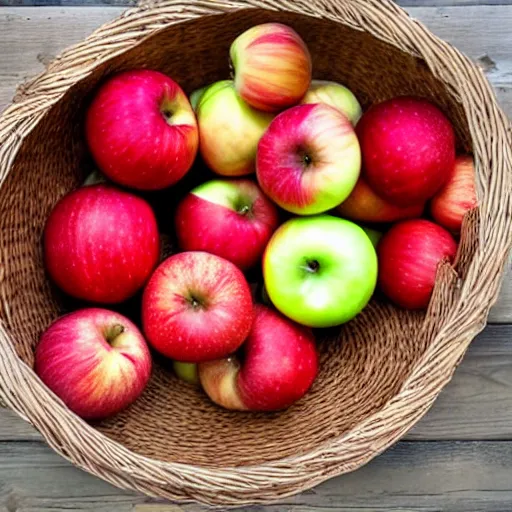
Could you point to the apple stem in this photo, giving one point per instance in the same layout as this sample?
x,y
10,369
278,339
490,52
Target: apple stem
x,y
244,210
114,332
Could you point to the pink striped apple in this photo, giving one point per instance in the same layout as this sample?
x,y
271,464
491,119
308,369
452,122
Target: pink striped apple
x,y
272,66
335,95
279,365
229,130
309,159
457,196
96,361
232,219
141,130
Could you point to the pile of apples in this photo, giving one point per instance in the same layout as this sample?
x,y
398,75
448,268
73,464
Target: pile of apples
x,y
296,165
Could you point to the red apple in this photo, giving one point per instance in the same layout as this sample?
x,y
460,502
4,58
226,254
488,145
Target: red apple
x,y
272,66
141,130
279,364
364,205
196,307
408,148
308,161
232,219
96,361
101,244
457,197
409,254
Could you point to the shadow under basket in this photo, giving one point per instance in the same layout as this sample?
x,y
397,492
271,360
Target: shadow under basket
x,y
379,373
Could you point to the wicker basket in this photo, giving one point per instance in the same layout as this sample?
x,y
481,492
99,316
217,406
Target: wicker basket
x,y
380,373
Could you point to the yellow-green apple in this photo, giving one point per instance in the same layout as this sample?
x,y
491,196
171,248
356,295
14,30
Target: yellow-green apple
x,y
101,244
278,366
232,219
309,159
196,307
457,197
408,148
96,361
335,95
187,372
196,96
409,254
272,66
320,271
229,130
364,205
141,130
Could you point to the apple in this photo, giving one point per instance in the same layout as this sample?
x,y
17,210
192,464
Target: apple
x,y
408,148
229,130
187,372
272,66
101,244
320,271
364,205
196,307
309,159
409,254
278,366
457,197
335,95
196,96
232,219
141,130
96,361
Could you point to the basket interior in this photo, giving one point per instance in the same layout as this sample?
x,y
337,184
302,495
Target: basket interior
x,y
363,364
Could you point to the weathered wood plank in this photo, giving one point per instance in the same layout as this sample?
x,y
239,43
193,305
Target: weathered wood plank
x,y
476,404
128,3
424,477
31,37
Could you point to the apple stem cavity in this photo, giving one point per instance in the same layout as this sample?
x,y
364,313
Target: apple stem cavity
x,y
244,210
312,266
305,158
195,302
113,333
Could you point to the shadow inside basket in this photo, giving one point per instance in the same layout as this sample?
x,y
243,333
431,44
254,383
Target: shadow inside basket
x,y
363,363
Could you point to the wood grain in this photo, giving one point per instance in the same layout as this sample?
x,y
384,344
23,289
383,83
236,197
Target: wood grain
x,y
128,3
426,477
475,405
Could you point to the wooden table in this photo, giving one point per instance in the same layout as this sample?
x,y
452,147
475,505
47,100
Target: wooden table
x,y
458,458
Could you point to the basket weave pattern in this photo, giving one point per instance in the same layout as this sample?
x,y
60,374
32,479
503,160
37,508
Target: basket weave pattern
x,y
379,374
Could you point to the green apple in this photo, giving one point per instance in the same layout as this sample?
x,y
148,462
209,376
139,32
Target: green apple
x,y
186,372
334,95
229,129
320,271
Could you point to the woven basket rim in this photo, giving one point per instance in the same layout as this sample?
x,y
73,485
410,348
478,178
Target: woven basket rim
x,y
89,449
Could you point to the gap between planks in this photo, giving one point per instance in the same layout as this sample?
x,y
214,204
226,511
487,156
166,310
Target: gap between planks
x,y
459,477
